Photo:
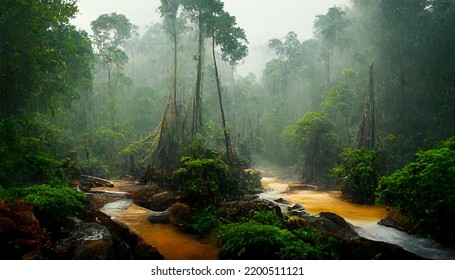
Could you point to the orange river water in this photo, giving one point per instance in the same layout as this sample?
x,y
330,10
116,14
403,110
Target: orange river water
x,y
316,202
174,244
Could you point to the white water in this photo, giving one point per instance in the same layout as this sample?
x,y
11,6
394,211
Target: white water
x,y
364,218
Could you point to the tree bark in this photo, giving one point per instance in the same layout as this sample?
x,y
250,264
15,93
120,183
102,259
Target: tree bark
x,y
229,151
197,114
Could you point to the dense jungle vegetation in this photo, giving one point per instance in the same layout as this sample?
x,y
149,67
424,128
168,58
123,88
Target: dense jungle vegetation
x,y
366,105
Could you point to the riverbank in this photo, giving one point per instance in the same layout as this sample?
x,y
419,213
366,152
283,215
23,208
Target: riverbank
x,y
364,218
172,243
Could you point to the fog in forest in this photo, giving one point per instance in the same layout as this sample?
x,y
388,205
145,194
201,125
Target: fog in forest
x,y
198,97
261,20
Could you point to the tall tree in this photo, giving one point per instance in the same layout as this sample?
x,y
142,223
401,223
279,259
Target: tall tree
x,y
110,32
329,28
36,65
44,60
169,10
201,12
232,41
366,138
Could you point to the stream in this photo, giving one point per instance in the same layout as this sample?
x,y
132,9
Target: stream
x,y
173,244
364,218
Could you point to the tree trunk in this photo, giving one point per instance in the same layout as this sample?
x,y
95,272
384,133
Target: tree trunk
x,y
229,151
174,86
197,114
367,130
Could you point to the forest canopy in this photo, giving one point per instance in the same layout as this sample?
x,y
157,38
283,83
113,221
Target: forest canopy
x,y
362,106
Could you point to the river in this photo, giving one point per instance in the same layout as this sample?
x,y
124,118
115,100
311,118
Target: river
x,y
364,218
175,245
170,241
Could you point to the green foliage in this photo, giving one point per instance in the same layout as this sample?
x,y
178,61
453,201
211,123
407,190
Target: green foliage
x,y
288,49
55,202
231,38
206,220
253,240
311,139
93,166
43,57
110,33
26,157
329,27
424,191
267,218
205,180
356,175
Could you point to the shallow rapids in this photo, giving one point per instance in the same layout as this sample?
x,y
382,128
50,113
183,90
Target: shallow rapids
x,y
363,217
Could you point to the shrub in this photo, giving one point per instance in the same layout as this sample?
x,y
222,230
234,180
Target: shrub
x,y
27,157
253,240
424,191
205,180
356,175
206,220
246,181
267,218
54,203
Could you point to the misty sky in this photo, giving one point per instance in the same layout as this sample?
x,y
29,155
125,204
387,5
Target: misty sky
x,y
261,19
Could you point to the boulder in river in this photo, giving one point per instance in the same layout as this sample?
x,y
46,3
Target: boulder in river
x,y
160,201
100,237
352,246
397,220
161,217
91,241
246,207
180,215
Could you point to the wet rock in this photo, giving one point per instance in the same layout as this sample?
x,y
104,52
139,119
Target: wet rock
x,y
100,237
337,225
140,196
159,217
396,220
21,235
281,200
144,251
160,201
110,208
351,245
329,222
297,210
296,207
239,209
180,215
94,250
92,242
99,199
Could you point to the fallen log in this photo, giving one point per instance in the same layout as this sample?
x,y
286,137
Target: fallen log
x,y
88,182
302,187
